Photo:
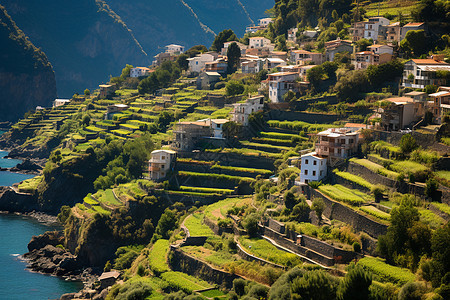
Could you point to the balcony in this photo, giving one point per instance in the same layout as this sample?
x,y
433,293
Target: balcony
x,y
155,169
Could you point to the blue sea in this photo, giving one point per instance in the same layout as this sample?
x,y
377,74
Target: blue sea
x,y
17,282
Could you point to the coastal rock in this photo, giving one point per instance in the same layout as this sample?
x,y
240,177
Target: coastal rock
x,y
28,166
53,238
47,258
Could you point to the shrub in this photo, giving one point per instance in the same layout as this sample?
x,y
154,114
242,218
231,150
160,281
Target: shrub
x,y
356,247
408,143
239,286
251,224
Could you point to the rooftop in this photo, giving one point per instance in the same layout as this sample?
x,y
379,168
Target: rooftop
x,y
413,24
163,151
440,94
106,275
415,93
337,132
429,61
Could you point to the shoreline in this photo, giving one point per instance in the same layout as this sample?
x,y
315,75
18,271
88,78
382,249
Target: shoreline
x,y
41,217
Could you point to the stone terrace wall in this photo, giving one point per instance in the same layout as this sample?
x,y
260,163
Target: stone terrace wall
x,y
305,117
338,211
370,176
187,264
402,187
232,159
303,104
249,257
289,244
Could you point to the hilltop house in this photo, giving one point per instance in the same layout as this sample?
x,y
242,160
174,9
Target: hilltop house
x,y
111,110
262,24
197,63
207,80
220,66
60,102
260,42
292,34
393,32
271,63
418,73
369,29
399,113
139,72
163,57
161,162
303,57
241,111
411,26
241,46
440,104
337,143
337,46
188,134
176,49
107,90
312,167
366,58
280,83
251,64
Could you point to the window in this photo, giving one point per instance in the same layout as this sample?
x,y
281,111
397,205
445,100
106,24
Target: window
x,y
314,173
163,157
163,166
321,172
306,172
306,161
315,162
321,163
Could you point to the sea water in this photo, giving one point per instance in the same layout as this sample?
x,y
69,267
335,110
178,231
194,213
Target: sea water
x,y
17,282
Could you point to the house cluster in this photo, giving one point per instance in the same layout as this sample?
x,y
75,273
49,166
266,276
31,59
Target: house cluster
x,y
333,146
380,29
399,113
170,53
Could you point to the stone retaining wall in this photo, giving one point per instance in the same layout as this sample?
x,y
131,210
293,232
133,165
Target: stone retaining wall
x,y
288,244
249,257
338,211
440,213
282,115
232,159
185,263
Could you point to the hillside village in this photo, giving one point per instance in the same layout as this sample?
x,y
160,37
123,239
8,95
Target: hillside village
x,y
312,165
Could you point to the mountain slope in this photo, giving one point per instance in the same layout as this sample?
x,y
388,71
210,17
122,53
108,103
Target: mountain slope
x,y
88,40
26,76
84,41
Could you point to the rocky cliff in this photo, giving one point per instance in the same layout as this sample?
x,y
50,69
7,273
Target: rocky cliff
x,y
26,76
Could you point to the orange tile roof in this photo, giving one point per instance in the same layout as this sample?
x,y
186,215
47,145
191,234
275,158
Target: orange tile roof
x,y
428,61
413,24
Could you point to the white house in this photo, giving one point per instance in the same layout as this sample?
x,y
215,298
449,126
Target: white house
x,y
60,102
197,63
312,168
160,163
139,71
172,48
258,42
265,21
279,84
241,111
